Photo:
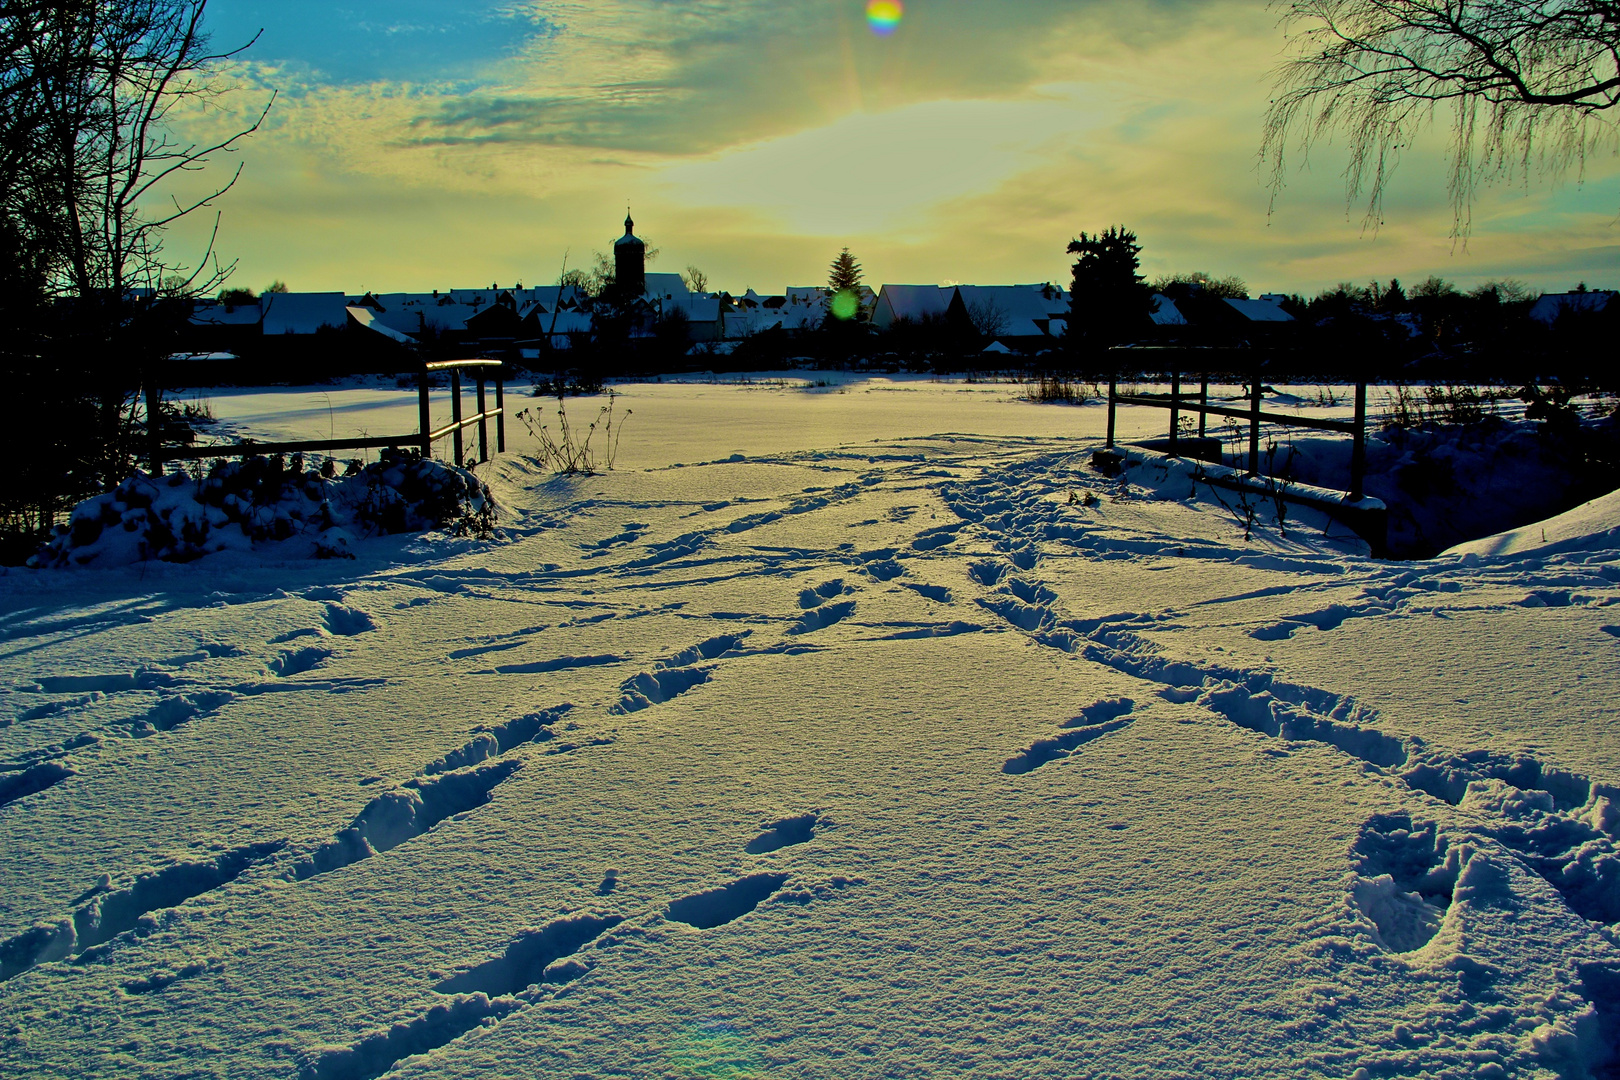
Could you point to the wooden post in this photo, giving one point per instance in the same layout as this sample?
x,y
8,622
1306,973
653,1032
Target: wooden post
x,y
483,422
1358,451
1112,393
500,414
455,410
154,424
1175,410
1203,403
1254,425
424,423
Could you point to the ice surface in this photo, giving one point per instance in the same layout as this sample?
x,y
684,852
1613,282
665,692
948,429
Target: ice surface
x,y
826,736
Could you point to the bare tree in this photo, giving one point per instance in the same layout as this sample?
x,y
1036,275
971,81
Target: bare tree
x,y
696,280
109,75
89,92
988,318
1526,83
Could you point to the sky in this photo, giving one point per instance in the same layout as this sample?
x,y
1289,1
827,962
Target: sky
x,y
424,144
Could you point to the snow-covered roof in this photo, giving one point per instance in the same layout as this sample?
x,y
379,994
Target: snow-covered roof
x,y
911,302
1551,305
996,347
567,322
409,313
1022,310
367,317
214,313
663,286
1165,312
549,297
303,313
698,307
482,298
1260,311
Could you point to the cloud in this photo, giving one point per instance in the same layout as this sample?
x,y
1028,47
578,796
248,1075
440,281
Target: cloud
x,y
357,43
754,140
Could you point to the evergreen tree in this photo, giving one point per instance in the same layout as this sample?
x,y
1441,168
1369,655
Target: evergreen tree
x,y
844,288
845,273
1108,302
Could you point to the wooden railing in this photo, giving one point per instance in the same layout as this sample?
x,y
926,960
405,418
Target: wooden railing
x,y
423,438
1254,414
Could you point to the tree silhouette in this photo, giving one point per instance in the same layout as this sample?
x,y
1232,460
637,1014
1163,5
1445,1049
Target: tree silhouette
x,y
1108,300
1523,79
845,273
88,168
844,288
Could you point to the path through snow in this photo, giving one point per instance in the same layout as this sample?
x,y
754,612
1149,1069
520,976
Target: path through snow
x,y
868,760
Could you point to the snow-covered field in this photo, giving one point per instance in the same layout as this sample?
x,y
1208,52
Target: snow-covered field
x,y
851,731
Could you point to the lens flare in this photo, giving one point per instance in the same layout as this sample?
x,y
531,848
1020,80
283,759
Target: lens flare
x,y
884,16
846,304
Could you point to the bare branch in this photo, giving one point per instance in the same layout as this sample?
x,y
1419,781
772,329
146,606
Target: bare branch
x,y
1526,82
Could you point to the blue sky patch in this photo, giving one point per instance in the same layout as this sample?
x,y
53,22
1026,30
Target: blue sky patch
x,y
404,41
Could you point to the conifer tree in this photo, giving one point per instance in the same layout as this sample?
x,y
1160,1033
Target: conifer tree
x,y
844,288
845,273
1109,301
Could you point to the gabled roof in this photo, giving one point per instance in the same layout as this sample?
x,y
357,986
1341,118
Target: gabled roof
x,y
367,317
409,313
1260,311
1165,312
1024,310
550,296
697,307
568,322
214,313
911,302
1551,305
663,286
303,313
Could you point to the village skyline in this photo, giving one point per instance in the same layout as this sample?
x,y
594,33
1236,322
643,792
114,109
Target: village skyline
x,y
449,143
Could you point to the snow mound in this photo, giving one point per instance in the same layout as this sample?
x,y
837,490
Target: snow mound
x,y
179,517
1591,525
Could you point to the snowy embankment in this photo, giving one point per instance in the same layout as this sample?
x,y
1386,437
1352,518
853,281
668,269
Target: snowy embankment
x,y
786,752
237,504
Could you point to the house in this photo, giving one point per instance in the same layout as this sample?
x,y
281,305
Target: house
x,y
1165,313
1264,310
1551,306
303,313
703,313
913,302
1020,315
661,287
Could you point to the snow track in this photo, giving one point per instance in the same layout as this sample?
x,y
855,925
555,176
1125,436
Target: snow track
x,y
900,758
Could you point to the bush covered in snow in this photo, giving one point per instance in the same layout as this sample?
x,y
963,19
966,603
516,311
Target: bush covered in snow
x,y
180,516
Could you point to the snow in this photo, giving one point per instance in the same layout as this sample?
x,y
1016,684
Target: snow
x,y
1549,306
1592,525
858,730
1259,310
303,313
1165,312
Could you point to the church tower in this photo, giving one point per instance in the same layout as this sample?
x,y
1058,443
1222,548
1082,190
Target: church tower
x,y
630,262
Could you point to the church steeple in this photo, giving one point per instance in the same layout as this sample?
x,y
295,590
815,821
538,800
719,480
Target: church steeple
x,y
630,261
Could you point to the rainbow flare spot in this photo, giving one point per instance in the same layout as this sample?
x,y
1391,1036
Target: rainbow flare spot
x,y
884,15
